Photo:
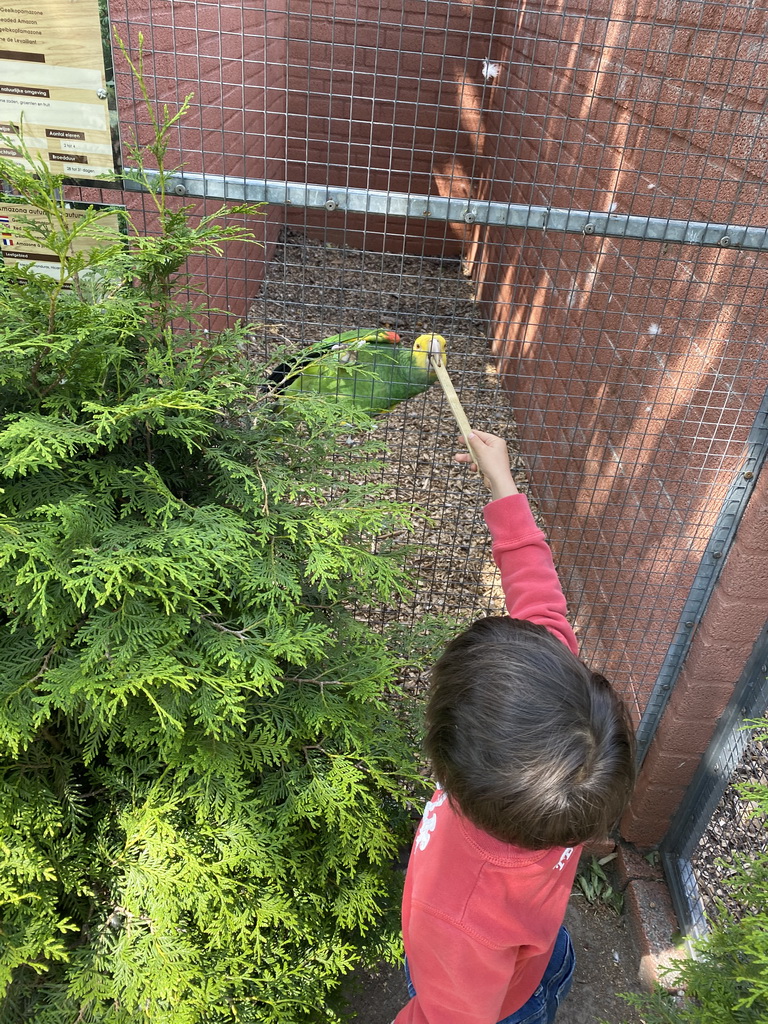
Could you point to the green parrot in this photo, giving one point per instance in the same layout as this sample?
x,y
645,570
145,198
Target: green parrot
x,y
370,367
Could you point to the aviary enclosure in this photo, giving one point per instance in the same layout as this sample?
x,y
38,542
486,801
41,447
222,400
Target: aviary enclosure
x,y
574,195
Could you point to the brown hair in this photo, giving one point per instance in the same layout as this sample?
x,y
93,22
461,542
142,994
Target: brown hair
x,y
530,745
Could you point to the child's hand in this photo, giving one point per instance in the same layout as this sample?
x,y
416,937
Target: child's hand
x,y
492,460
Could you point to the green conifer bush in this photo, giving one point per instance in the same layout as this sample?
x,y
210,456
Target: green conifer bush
x,y
203,782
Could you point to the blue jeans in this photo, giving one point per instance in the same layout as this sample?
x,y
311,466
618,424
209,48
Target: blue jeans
x,y
543,1005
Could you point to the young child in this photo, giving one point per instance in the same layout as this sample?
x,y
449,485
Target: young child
x,y
534,755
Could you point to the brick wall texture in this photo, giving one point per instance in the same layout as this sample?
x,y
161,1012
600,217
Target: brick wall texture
x,y
231,62
635,368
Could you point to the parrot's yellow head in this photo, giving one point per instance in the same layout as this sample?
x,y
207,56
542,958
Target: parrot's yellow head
x,y
428,347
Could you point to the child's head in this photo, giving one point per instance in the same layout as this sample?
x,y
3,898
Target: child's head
x,y
531,746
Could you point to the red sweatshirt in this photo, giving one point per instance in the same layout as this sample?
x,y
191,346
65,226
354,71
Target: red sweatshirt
x,y
480,916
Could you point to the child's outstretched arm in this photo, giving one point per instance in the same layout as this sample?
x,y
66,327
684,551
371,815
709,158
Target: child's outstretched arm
x,y
528,576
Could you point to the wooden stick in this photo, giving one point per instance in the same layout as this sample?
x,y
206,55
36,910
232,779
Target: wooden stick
x,y
453,400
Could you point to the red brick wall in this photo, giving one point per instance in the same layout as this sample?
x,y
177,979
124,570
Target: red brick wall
x,y
376,93
636,368
232,60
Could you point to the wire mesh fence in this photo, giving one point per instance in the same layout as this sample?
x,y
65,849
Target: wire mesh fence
x,y
573,195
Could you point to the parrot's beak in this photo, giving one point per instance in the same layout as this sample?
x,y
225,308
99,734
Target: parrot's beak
x,y
436,351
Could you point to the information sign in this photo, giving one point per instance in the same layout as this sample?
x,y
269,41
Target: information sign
x,y
18,249
53,80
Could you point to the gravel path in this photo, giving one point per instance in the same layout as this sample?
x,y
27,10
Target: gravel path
x,y
312,291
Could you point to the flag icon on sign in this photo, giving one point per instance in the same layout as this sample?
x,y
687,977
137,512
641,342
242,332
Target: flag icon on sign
x,y
6,238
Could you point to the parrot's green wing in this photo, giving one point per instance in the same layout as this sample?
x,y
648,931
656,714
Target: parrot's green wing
x,y
320,361
374,334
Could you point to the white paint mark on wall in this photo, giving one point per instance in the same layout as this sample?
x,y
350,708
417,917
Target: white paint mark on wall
x,y
616,457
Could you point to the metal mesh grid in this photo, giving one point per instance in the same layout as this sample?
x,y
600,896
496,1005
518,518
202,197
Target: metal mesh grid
x,y
654,461
651,110
635,371
644,414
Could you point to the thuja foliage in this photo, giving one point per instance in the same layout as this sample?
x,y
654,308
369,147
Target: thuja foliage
x,y
726,981
203,783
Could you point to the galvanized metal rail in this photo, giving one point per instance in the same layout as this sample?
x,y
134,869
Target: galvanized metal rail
x,y
474,211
